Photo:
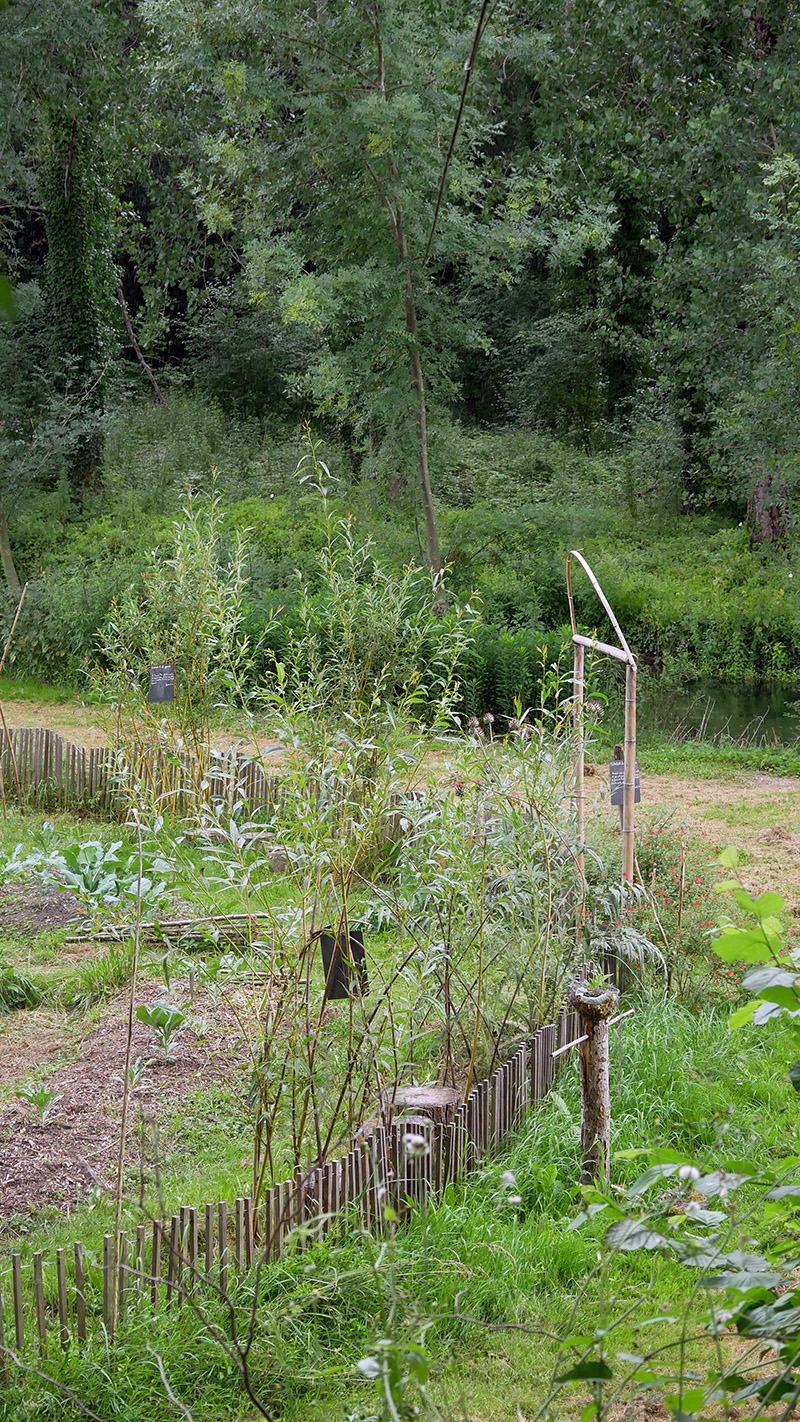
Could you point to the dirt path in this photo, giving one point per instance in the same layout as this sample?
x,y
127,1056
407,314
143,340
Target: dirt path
x,y
83,724
757,814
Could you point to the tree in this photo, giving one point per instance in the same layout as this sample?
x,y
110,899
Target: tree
x,y
61,85
630,157
330,156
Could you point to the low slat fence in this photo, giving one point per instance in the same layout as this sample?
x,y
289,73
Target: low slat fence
x,y
53,772
66,1299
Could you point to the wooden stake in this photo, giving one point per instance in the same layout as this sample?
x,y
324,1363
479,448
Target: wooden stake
x,y
63,1314
595,1007
79,1307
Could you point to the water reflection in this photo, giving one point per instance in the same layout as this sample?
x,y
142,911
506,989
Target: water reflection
x,y
718,709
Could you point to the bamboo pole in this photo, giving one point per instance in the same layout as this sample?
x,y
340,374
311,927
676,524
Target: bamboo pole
x,y
13,628
2,712
624,654
579,691
629,791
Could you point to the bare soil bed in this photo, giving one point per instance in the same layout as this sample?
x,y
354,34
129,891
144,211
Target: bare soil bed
x,y
56,1163
28,908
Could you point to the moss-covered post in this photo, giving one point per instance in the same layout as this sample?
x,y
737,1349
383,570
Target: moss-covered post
x,y
595,1006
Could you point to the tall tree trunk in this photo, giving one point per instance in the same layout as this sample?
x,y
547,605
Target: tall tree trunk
x,y
421,413
6,556
395,214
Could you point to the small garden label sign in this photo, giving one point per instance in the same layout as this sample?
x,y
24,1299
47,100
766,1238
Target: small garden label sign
x,y
616,772
162,683
344,965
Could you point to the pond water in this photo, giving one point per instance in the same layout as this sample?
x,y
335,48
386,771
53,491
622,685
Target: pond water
x,y
751,715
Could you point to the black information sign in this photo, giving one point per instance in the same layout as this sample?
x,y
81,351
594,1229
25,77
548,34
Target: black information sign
x,y
616,771
162,683
344,965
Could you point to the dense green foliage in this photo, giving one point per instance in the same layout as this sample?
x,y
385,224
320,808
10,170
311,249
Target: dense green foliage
x,y
591,295
694,599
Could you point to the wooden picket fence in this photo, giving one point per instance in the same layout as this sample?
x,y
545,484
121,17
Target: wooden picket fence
x,y
199,1250
54,773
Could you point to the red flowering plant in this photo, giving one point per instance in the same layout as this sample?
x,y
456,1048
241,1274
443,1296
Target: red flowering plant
x,y
679,909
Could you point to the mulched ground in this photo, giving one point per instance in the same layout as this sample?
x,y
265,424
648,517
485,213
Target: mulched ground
x,y
27,907
77,1149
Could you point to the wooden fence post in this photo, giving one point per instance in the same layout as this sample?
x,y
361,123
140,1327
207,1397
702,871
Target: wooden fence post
x,y
594,1007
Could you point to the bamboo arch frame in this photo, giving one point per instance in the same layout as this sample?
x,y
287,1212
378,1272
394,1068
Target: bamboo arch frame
x,y
622,653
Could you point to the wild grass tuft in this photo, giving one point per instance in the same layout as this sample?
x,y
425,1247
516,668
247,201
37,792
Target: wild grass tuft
x,y
17,990
98,979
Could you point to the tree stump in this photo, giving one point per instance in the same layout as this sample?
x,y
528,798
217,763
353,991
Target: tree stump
x,y
437,1103
594,1007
